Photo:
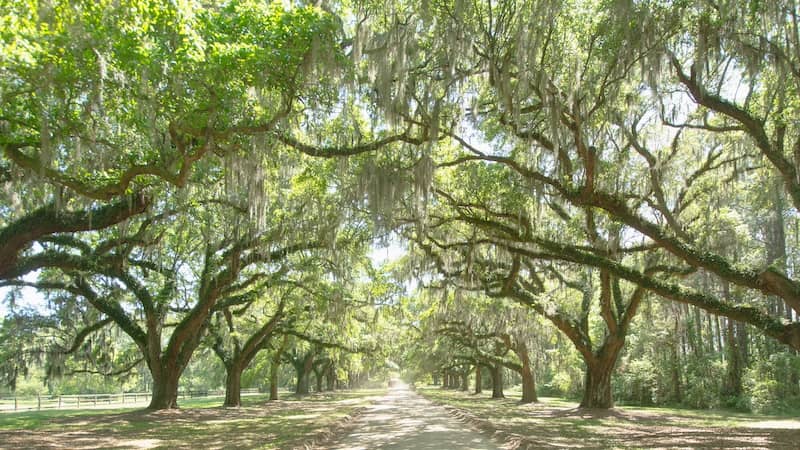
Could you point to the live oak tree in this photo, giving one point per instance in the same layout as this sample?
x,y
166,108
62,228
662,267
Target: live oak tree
x,y
23,346
217,272
237,348
466,238
284,304
564,112
597,136
110,99
309,208
490,333
582,158
102,101
339,329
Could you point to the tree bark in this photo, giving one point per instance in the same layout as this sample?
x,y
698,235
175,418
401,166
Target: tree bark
x,y
677,395
733,375
599,369
478,379
49,220
273,381
497,381
330,378
233,386
303,371
528,379
733,379
775,234
165,389
302,383
318,380
274,367
597,387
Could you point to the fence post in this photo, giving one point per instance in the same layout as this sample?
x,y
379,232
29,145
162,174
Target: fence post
x,y
59,402
94,400
79,401
38,402
15,402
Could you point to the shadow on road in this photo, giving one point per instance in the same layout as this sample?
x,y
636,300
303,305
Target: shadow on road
x,y
404,420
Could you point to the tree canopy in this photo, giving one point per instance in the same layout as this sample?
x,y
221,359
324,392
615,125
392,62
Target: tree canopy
x,y
190,177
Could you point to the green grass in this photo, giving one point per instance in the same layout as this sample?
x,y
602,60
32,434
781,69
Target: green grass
x,y
41,420
200,423
558,422
712,417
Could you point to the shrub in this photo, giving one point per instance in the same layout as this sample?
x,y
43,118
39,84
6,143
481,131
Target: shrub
x,y
636,383
763,389
703,377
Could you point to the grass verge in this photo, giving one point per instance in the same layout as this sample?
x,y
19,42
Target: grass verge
x,y
199,424
555,423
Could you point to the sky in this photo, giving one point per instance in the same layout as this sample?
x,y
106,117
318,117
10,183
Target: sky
x,y
30,299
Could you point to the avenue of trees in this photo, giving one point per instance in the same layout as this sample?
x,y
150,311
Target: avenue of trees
x,y
597,199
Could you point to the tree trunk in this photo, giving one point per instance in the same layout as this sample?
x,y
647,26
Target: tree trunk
x,y
677,395
775,234
597,388
528,385
330,378
478,379
599,369
303,381
275,367
697,332
528,379
497,381
352,379
303,374
302,384
233,386
165,389
465,380
733,379
273,381
318,379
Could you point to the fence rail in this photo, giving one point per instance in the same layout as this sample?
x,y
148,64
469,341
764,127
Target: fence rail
x,y
40,402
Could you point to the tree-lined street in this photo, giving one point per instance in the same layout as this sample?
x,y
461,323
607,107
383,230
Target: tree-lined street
x,y
597,201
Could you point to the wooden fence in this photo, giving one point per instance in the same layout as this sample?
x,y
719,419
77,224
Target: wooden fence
x,y
41,402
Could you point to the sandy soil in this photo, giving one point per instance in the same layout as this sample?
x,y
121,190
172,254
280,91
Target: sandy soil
x,y
193,428
405,420
539,426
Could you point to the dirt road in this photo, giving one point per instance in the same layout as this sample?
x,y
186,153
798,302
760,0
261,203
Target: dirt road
x,y
404,420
